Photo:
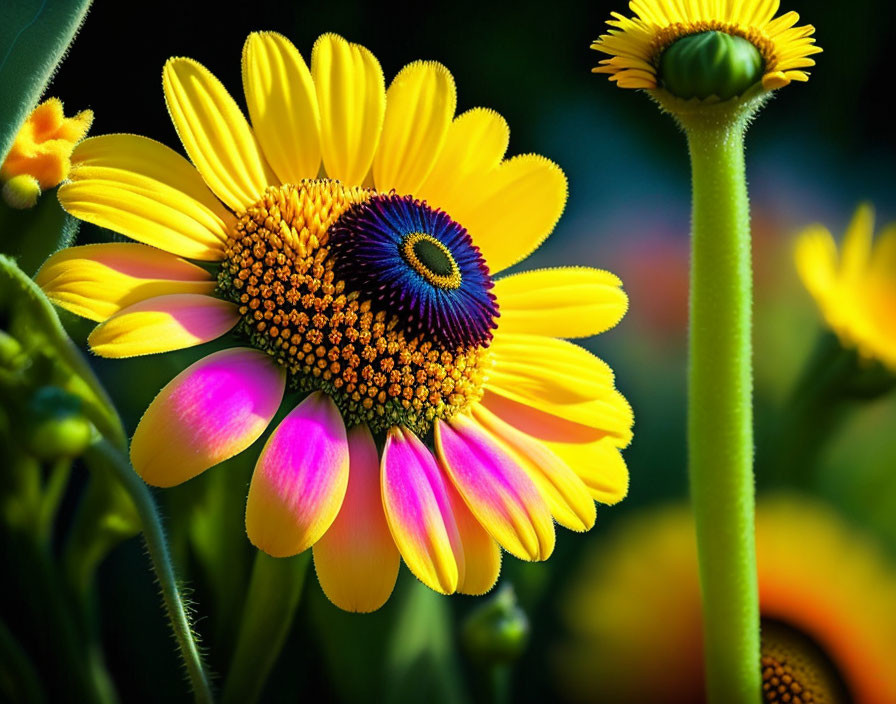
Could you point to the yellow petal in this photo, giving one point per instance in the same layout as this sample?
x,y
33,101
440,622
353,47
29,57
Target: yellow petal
x,y
566,302
816,260
566,495
143,189
883,261
98,280
420,104
163,324
356,560
857,244
474,146
545,379
215,134
351,94
519,203
600,466
282,105
548,369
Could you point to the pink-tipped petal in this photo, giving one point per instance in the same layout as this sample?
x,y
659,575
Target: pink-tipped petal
x,y
592,454
356,559
210,412
163,324
482,555
538,423
497,489
300,479
565,493
98,280
418,510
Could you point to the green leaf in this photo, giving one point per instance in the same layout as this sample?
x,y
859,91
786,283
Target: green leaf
x,y
34,36
28,316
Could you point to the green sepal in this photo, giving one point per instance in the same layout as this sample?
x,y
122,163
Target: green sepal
x,y
34,36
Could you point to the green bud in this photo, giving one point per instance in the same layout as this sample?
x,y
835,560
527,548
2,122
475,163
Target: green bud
x,y
710,63
497,632
10,351
55,424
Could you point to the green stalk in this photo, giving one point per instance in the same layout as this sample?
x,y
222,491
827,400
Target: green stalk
x,y
57,482
720,415
274,593
154,536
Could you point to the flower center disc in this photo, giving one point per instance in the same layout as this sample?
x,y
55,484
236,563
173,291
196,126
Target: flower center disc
x,y
392,324
796,669
432,260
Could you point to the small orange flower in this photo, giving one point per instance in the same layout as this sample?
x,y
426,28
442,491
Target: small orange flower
x,y
44,144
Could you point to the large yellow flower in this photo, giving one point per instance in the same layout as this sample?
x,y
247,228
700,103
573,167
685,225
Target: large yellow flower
x,y
855,290
352,234
827,598
636,44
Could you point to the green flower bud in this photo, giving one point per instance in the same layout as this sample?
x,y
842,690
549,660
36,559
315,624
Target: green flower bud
x,y
497,632
10,351
21,192
710,63
55,424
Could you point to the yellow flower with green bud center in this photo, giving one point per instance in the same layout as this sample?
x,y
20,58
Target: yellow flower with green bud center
x,y
704,49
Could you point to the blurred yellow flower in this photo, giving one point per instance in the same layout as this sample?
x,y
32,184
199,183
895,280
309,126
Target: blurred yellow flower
x,y
636,44
827,599
855,288
40,155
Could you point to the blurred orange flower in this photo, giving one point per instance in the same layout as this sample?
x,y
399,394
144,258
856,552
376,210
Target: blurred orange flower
x,y
827,599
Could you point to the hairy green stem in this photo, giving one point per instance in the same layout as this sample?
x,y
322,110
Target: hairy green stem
x,y
720,410
274,593
154,536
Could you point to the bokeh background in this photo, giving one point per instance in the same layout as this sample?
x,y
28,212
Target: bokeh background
x,y
815,152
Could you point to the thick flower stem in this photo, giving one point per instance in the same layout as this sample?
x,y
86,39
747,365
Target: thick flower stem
x,y
274,593
720,417
154,536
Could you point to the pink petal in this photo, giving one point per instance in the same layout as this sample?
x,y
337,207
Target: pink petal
x,y
300,479
419,512
209,412
497,489
356,559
